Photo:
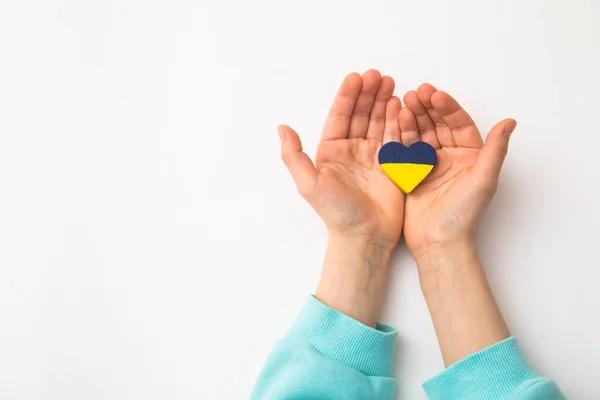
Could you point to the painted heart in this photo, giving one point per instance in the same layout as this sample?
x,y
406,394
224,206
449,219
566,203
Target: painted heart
x,y
407,166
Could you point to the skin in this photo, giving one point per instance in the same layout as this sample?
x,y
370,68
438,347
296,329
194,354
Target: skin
x,y
365,212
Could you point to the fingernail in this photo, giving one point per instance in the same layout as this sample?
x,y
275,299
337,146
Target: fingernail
x,y
281,133
510,127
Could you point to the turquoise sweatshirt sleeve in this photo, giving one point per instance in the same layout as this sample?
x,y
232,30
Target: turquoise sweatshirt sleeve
x,y
328,355
497,372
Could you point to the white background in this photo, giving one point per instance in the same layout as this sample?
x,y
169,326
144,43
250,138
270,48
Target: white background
x,y
152,245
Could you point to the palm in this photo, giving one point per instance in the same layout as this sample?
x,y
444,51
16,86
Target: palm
x,y
450,203
345,185
354,194
435,207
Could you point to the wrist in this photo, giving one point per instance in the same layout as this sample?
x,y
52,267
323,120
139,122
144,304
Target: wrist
x,y
440,256
353,279
441,267
369,245
366,243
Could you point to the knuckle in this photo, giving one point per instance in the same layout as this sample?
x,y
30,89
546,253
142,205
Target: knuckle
x,y
304,190
503,151
487,186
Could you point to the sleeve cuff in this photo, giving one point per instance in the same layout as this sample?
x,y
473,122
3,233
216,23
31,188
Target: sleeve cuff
x,y
498,371
340,338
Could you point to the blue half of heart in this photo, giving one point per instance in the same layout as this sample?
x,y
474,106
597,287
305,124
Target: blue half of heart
x,y
417,153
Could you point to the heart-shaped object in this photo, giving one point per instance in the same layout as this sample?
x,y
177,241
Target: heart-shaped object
x,y
407,166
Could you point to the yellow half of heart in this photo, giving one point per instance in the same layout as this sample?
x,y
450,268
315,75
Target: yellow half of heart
x,y
406,176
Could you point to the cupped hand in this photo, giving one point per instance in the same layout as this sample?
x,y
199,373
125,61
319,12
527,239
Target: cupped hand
x,y
447,208
345,185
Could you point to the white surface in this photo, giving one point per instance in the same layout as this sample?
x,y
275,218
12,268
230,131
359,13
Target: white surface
x,y
137,262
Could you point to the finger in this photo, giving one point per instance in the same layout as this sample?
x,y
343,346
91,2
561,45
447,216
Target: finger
x,y
463,128
392,128
424,122
338,120
491,157
297,162
359,122
424,93
408,127
443,131
377,118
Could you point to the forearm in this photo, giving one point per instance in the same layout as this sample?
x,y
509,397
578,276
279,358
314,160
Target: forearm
x,y
332,350
353,278
462,307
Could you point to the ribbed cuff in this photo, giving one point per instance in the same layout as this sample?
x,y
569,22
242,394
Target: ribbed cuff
x,y
345,340
496,372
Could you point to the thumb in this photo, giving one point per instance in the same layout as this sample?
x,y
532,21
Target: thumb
x,y
297,162
492,155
